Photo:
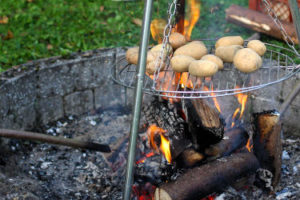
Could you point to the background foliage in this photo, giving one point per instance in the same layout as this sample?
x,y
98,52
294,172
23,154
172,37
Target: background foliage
x,y
33,29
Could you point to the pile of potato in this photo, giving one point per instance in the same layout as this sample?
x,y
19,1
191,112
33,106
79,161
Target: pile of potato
x,y
192,56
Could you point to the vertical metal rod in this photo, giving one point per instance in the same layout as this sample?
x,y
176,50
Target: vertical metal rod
x,y
138,97
296,16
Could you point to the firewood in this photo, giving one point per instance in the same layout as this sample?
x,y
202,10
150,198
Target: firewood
x,y
233,139
165,115
189,158
259,22
212,177
39,137
267,142
204,122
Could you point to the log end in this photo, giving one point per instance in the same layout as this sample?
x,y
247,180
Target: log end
x,y
161,194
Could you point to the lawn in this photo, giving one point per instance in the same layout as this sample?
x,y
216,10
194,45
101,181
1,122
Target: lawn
x,y
33,29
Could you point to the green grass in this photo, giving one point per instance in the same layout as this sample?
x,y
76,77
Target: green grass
x,y
58,27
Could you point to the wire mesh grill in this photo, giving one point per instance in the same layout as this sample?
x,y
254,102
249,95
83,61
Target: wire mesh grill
x,y
278,65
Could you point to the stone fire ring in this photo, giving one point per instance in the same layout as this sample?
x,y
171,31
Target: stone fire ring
x,y
45,90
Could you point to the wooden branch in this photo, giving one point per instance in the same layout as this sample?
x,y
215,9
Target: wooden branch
x,y
233,139
267,142
204,122
259,22
25,135
212,177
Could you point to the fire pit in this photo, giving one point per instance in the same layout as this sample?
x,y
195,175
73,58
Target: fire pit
x,y
74,98
43,171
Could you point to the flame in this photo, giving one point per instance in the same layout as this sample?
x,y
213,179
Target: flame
x,y
242,99
193,7
142,160
184,81
165,148
234,116
249,146
157,27
217,105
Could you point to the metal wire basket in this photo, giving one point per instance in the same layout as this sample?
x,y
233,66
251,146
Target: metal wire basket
x,y
278,65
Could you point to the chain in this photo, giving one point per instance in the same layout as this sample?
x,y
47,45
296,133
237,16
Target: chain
x,y
278,23
165,48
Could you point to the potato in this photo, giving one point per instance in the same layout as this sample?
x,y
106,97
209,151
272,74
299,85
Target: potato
x,y
214,59
167,51
132,55
226,53
258,46
151,68
202,68
180,63
229,40
177,40
195,49
247,60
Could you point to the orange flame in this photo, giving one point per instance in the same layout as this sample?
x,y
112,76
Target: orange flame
x,y
214,98
154,130
249,146
242,99
234,116
148,155
184,81
193,7
165,148
157,27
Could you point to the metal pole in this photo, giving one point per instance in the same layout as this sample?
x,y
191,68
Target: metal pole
x,y
138,97
296,16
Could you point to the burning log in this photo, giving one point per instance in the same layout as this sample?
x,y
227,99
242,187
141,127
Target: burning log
x,y
233,139
205,124
259,22
267,142
165,116
189,158
212,177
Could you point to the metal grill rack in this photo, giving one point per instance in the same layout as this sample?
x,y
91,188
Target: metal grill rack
x,y
278,65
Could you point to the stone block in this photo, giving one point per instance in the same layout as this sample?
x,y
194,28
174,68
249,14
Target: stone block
x,y
21,90
56,80
25,117
78,102
4,102
109,95
49,109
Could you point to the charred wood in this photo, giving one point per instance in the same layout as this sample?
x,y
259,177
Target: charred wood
x,y
267,142
233,140
259,22
212,177
166,116
204,122
189,158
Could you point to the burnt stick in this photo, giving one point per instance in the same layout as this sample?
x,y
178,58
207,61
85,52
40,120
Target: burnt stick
x,y
26,135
